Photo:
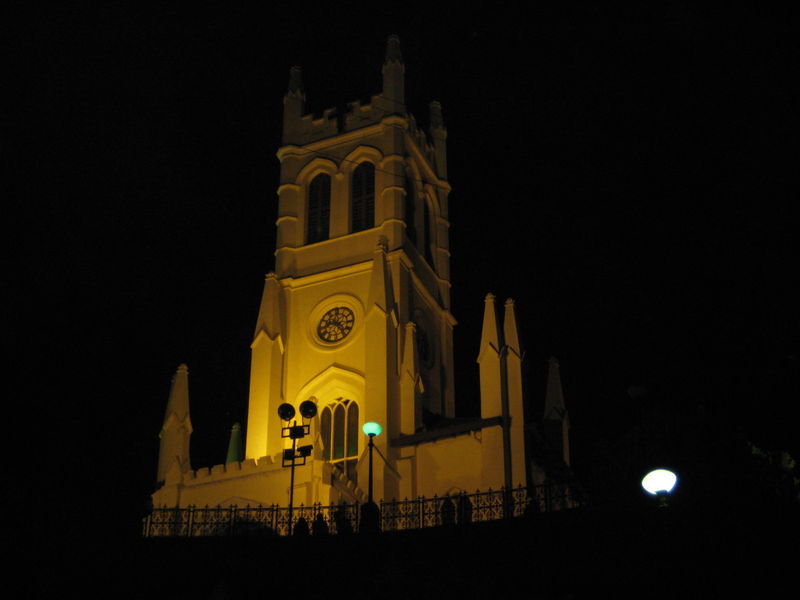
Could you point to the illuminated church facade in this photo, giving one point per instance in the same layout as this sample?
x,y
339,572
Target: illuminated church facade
x,y
356,318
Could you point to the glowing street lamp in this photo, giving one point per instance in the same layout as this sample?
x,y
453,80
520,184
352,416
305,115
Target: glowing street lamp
x,y
371,429
370,514
660,483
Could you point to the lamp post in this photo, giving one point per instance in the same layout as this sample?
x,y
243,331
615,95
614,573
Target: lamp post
x,y
370,515
371,429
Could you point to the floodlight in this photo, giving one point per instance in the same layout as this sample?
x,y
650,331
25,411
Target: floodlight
x,y
308,409
286,411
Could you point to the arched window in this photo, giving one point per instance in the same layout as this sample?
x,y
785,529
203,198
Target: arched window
x,y
339,430
363,198
411,210
319,208
428,230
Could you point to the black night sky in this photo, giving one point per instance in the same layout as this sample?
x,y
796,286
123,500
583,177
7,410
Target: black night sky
x,y
629,178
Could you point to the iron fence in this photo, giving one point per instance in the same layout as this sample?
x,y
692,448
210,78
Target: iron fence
x,y
396,515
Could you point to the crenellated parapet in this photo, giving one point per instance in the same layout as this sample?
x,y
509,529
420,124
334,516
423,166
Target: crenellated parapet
x,y
222,472
258,481
309,128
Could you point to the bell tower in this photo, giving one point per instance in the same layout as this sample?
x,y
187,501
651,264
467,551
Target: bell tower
x,y
356,315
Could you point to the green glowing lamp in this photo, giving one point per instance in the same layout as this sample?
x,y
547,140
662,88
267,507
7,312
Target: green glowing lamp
x,y
371,429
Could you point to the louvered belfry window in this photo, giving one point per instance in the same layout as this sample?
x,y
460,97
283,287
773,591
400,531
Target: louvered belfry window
x,y
319,208
363,198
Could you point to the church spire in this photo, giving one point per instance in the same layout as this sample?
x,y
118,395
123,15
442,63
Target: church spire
x,y
295,81
554,407
510,329
556,418
177,427
514,402
269,313
438,134
380,289
411,387
394,77
490,334
393,53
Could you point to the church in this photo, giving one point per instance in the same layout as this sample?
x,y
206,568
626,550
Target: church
x,y
355,322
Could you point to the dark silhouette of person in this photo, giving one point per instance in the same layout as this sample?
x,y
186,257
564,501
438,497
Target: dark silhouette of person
x,y
343,526
464,510
319,527
301,528
448,511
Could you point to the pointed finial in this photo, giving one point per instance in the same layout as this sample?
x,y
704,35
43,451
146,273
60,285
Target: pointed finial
x,y
410,349
235,444
393,49
510,328
437,122
295,80
380,287
490,332
178,400
554,407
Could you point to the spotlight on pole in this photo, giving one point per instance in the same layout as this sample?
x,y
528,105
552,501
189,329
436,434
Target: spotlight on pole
x,y
308,409
295,456
286,411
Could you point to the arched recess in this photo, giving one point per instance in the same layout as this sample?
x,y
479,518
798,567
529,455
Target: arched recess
x,y
318,214
412,213
429,227
339,393
316,180
362,197
361,168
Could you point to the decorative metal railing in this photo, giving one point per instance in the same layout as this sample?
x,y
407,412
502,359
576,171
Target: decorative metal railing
x,y
396,515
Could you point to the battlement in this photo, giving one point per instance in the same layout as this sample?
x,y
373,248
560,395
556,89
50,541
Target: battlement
x,y
232,469
302,129
311,127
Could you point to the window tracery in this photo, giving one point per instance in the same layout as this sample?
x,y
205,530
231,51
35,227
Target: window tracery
x,y
339,433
